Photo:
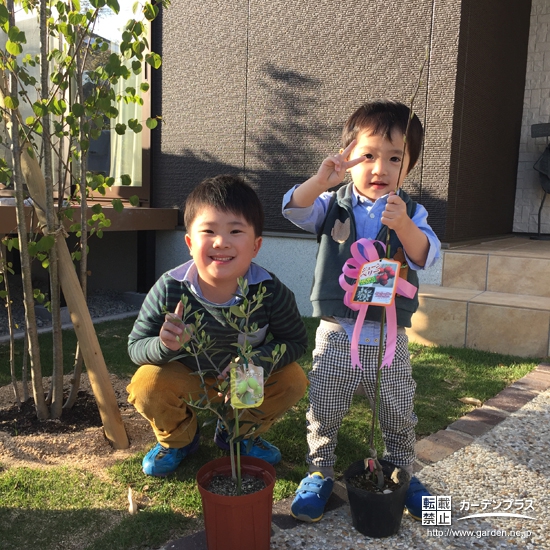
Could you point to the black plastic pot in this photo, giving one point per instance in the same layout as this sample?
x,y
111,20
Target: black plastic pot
x,y
377,515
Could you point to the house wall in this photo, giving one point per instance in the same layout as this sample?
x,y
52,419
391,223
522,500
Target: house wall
x,y
266,96
536,110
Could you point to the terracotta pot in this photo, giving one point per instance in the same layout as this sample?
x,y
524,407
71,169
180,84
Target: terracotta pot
x,y
236,523
377,515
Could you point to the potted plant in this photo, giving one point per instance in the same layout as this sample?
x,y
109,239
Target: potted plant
x,y
377,489
241,509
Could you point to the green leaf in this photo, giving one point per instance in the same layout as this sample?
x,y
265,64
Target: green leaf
x,y
151,123
120,129
154,60
125,179
113,4
78,109
13,47
39,108
117,205
134,200
11,102
236,311
4,15
144,86
45,243
150,11
13,243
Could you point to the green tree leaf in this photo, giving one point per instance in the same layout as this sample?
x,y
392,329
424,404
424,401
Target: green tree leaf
x,y
125,179
150,11
14,48
11,102
117,205
154,60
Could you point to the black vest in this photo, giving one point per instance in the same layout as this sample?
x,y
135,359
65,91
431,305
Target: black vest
x,y
327,295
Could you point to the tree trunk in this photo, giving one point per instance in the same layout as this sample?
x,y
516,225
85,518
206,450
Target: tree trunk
x,y
55,299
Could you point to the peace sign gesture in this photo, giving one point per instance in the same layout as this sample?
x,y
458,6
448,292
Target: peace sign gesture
x,y
333,169
331,172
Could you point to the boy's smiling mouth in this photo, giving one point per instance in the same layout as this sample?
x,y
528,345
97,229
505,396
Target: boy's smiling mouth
x,y
221,258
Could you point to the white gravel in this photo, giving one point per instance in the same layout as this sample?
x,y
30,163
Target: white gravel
x,y
505,468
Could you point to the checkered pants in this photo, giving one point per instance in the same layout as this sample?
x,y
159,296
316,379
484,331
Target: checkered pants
x,y
333,383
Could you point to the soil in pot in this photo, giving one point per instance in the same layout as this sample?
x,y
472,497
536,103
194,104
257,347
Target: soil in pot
x,y
365,482
224,485
376,513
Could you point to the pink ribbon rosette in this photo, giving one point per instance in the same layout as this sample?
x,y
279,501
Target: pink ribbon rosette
x,y
376,282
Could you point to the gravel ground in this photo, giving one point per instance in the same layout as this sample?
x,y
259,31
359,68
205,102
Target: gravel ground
x,y
101,303
504,469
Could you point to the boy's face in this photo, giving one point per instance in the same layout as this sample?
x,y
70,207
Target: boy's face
x,y
379,173
222,245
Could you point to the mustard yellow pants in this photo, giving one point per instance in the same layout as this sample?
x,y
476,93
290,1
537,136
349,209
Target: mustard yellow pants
x,y
159,393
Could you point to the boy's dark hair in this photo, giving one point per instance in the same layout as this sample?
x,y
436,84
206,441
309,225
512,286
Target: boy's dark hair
x,y
226,193
381,118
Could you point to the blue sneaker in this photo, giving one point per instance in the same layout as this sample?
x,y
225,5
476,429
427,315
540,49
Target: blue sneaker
x,y
311,497
161,461
260,448
413,503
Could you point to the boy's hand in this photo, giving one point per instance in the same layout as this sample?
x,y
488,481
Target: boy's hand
x,y
172,329
413,240
395,213
333,169
331,172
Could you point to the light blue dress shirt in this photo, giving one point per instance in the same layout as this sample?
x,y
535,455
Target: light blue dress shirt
x,y
368,223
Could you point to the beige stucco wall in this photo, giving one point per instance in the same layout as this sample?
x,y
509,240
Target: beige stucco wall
x,y
536,110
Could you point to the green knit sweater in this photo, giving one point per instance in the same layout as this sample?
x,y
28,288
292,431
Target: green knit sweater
x,y
278,321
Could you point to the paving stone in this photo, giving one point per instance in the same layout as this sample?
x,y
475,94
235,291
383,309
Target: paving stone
x,y
486,415
440,445
510,399
535,381
470,427
543,367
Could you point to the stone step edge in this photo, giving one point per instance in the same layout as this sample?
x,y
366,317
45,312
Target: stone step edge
x,y
484,297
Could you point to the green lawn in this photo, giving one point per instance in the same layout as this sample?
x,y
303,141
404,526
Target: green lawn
x,y
67,504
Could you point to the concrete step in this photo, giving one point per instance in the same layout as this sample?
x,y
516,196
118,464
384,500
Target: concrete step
x,y
511,266
482,319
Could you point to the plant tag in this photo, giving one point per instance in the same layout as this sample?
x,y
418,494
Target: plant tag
x,y
247,386
377,283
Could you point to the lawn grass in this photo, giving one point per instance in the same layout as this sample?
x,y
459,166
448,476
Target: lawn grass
x,y
63,504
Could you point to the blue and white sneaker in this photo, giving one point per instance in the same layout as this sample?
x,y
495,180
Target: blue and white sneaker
x,y
413,502
260,448
161,461
311,497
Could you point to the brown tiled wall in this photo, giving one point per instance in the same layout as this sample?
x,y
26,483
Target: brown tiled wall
x,y
264,88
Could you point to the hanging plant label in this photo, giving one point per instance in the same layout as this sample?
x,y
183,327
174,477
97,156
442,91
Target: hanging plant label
x,y
377,283
247,386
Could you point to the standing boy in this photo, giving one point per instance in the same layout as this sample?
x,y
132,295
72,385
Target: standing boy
x,y
373,151
224,221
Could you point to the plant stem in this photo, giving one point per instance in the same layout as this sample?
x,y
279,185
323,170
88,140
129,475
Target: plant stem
x,y
239,479
377,387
